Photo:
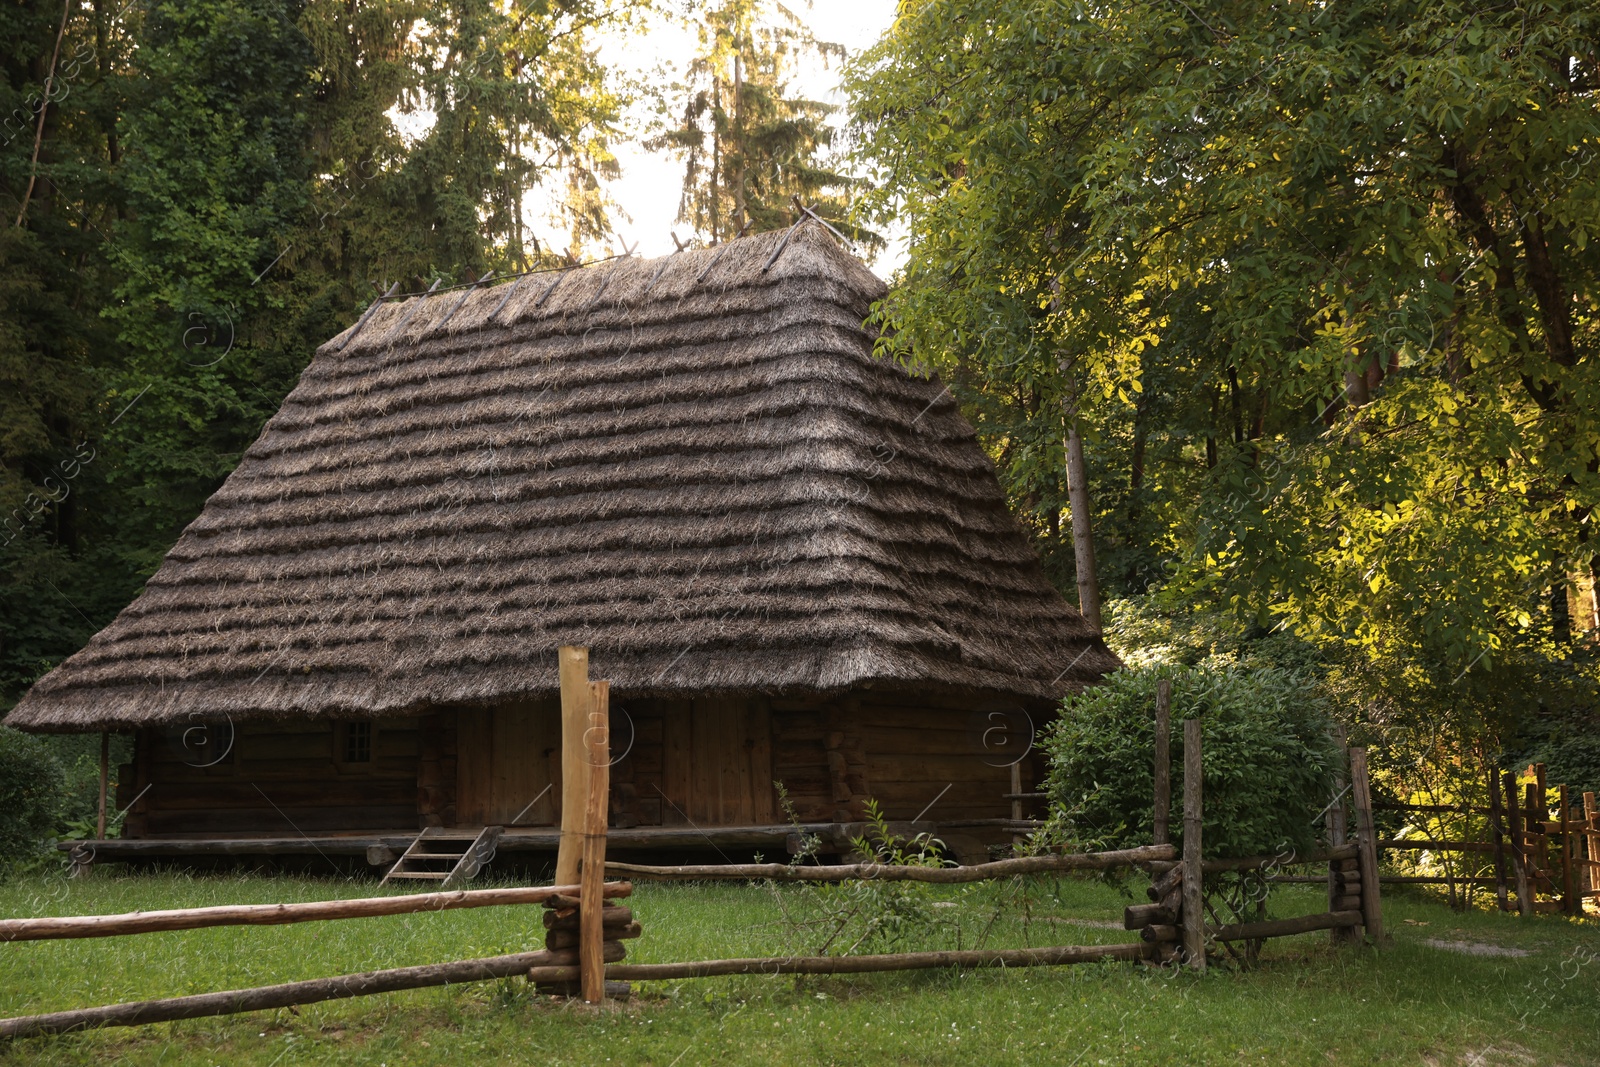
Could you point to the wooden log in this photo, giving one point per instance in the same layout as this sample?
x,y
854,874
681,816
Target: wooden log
x,y
1162,932
145,922
978,872
573,670
1302,924
1015,796
898,961
1441,809
1497,836
609,916
592,873
1138,916
1366,841
1349,902
1194,937
562,939
1535,845
1519,852
1163,764
1164,884
614,990
1348,852
233,1001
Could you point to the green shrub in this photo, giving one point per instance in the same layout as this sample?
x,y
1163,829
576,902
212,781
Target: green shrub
x,y
32,785
1267,755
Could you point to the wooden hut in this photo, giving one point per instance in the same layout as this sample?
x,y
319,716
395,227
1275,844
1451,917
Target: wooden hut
x,y
790,557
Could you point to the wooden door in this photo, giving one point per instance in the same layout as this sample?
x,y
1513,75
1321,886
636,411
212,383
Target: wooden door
x,y
716,763
508,756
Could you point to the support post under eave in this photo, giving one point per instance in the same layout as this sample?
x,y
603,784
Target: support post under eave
x,y
105,776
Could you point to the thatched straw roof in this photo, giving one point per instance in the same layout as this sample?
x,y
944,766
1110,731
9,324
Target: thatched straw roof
x,y
693,465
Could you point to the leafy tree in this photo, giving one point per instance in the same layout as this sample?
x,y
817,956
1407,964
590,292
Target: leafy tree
x,y
1324,278
748,147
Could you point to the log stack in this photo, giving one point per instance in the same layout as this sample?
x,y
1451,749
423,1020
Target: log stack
x,y
562,922
1160,922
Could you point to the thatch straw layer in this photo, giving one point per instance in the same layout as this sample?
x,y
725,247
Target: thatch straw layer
x,y
693,465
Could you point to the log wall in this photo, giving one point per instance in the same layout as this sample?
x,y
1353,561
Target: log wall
x,y
279,777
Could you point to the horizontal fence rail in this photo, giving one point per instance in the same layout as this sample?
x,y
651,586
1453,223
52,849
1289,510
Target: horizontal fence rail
x,y
880,872
146,922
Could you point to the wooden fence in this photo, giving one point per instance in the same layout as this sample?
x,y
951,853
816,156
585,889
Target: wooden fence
x,y
1537,860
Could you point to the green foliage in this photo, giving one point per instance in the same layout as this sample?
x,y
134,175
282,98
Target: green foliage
x,y
1322,280
31,785
1267,754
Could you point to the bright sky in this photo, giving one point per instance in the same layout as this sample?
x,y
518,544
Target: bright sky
x,y
652,182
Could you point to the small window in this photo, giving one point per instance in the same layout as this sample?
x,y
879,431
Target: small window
x,y
355,742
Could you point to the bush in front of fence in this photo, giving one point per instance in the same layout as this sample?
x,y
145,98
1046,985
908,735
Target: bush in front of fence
x,y
1267,750
32,784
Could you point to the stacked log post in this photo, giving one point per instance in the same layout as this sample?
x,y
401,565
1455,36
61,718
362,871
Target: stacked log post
x,y
1194,920
563,923
1158,922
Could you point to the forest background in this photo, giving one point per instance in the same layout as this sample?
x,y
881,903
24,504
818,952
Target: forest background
x,y
1303,291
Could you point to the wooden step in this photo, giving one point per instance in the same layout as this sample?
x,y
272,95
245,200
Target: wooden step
x,y
436,876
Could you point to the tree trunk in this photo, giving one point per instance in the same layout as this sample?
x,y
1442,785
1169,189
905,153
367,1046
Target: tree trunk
x,y
1082,531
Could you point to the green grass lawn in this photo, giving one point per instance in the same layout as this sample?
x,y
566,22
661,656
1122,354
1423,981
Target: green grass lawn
x,y
1409,1003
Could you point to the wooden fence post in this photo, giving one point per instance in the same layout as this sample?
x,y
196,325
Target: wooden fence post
x,y
1163,767
1519,844
1571,902
1533,831
1338,830
1498,837
1592,818
592,871
1367,843
575,701
1194,919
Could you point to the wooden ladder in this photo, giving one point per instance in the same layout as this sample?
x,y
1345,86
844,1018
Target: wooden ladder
x,y
448,857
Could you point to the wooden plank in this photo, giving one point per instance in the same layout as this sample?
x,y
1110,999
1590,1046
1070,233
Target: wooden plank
x,y
1591,813
1163,765
1366,841
575,696
1194,935
591,898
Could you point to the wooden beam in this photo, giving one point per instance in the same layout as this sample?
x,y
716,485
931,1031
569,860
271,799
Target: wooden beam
x,y
1163,765
1519,844
844,872
575,702
898,961
597,756
1194,935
